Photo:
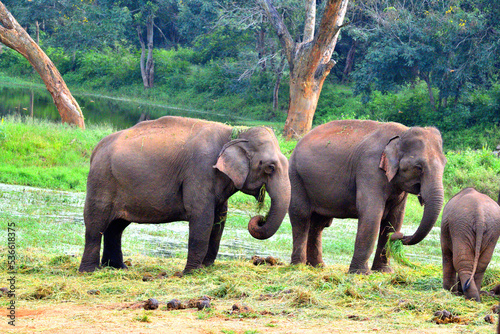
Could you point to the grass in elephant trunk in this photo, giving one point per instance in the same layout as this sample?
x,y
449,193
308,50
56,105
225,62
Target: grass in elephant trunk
x,y
396,250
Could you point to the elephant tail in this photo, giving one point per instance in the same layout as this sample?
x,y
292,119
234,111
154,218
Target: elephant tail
x,y
477,252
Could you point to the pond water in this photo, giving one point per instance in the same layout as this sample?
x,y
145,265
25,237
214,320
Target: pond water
x,y
121,113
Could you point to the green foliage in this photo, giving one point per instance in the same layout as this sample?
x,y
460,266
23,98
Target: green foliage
x,y
478,169
14,62
100,69
220,44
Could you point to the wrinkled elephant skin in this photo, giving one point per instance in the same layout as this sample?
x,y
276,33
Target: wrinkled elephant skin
x,y
174,169
364,170
470,228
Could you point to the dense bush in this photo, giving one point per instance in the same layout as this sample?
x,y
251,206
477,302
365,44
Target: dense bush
x,y
109,67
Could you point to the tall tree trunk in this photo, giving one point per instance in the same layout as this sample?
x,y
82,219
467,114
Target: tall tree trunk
x,y
349,62
277,84
309,61
147,64
259,45
37,25
16,38
427,80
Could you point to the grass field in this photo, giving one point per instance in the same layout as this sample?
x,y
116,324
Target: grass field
x,y
52,297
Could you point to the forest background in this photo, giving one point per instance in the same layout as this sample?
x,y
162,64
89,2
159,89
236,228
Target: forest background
x,y
414,62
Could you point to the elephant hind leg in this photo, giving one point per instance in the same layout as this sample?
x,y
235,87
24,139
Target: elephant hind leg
x,y
472,291
112,255
90,257
299,212
96,221
449,272
300,231
314,239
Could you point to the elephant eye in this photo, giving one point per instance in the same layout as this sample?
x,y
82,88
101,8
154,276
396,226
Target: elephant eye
x,y
269,169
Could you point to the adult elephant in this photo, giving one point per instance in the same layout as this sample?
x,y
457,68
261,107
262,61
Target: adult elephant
x,y
364,170
176,168
470,229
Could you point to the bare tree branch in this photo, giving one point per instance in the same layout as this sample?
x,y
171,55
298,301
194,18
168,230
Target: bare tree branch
x,y
310,22
283,34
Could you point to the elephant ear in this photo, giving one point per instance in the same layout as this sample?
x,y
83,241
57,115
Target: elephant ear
x,y
389,161
233,161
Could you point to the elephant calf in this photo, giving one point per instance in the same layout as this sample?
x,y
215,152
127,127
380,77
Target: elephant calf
x,y
469,232
176,168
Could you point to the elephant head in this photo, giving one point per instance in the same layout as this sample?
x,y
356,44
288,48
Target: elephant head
x,y
414,162
254,160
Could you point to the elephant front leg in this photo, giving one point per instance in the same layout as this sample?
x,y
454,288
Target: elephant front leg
x,y
216,235
368,229
200,229
392,223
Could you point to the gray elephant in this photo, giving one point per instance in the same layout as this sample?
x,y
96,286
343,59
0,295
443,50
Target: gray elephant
x,y
174,169
470,228
364,170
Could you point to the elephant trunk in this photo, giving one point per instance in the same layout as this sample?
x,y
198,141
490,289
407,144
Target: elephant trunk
x,y
278,188
433,198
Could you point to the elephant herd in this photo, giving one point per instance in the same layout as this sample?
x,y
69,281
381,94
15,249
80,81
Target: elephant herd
x,y
183,169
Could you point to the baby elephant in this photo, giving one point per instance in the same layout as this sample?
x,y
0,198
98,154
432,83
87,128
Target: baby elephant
x,y
469,232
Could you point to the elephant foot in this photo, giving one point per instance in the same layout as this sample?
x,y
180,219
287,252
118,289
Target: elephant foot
x,y
113,264
359,271
190,269
383,269
316,264
208,263
88,268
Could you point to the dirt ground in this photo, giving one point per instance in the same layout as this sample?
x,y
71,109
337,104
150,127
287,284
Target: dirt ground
x,y
121,318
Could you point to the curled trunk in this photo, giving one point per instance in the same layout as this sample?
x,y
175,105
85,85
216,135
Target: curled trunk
x,y
278,189
433,198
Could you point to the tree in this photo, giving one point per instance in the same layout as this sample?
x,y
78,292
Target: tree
x,y
450,46
16,38
309,61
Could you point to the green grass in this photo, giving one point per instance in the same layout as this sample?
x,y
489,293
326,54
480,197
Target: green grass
x,y
46,154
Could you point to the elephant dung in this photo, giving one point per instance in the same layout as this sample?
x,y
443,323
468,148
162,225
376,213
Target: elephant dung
x,y
151,304
445,317
241,308
175,304
489,319
147,277
200,304
272,261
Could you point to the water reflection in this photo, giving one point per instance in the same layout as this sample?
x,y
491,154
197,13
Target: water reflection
x,y
121,113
